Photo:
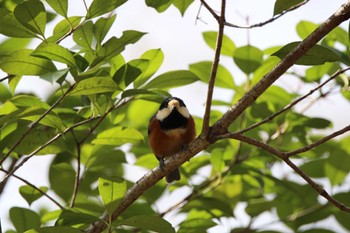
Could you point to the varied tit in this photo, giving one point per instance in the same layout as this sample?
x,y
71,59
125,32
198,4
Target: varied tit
x,y
169,130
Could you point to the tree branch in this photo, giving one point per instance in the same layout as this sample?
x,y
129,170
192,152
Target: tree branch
x,y
283,156
295,102
222,124
35,123
235,111
206,118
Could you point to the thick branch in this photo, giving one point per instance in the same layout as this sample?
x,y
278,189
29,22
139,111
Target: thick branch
x,y
234,112
221,126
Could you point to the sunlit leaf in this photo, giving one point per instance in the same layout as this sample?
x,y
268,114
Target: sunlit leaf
x,y
102,27
95,85
55,52
118,136
112,191
55,229
100,7
21,62
60,6
203,71
130,72
61,177
160,6
172,79
182,5
305,28
83,35
228,47
155,58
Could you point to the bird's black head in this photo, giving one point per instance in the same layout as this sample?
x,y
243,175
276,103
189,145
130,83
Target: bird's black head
x,y
172,114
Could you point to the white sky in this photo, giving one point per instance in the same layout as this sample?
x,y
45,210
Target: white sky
x,y
181,40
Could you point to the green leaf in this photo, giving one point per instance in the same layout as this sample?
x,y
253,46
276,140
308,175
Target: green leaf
x,y
32,15
73,217
21,62
100,7
172,79
24,219
248,58
55,229
102,27
55,52
283,5
258,206
155,58
314,168
223,79
228,47
95,85
317,55
9,26
112,192
61,177
83,35
148,223
337,167
130,72
63,28
118,136
60,6
5,93
305,28
57,76
159,5
196,225
182,5
11,44
30,194
114,46
318,123
316,73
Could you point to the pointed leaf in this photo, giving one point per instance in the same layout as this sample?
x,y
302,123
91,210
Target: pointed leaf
x,y
21,62
118,136
228,47
30,194
130,72
115,46
95,85
102,26
149,223
172,79
305,28
24,219
83,35
55,229
32,15
60,6
223,79
182,5
159,6
248,58
317,55
283,5
9,26
155,58
112,192
55,52
100,7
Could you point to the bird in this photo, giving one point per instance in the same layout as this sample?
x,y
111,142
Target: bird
x,y
170,129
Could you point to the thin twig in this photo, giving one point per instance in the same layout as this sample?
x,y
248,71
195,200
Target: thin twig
x,y
206,118
34,187
6,77
295,102
35,123
284,156
77,175
275,17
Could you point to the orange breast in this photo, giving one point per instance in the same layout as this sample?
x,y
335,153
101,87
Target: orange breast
x,y
167,143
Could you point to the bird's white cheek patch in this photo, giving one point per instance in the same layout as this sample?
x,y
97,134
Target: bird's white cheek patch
x,y
162,114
